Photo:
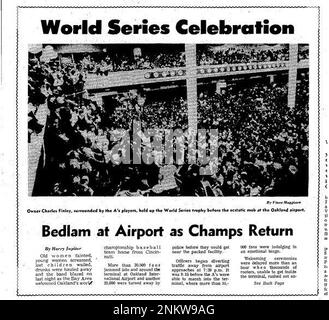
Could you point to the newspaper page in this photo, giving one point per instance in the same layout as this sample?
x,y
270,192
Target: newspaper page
x,y
166,151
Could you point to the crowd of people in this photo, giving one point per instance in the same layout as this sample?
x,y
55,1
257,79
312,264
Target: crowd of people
x,y
303,52
168,113
214,55
50,81
262,144
103,63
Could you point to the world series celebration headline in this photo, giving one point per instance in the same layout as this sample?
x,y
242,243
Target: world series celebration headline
x,y
183,27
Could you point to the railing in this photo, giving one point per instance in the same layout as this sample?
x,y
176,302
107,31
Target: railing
x,y
135,77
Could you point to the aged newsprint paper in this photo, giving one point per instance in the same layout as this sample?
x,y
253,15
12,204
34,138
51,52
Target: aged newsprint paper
x,y
164,150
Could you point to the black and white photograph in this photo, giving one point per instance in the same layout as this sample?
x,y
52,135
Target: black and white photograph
x,y
168,120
